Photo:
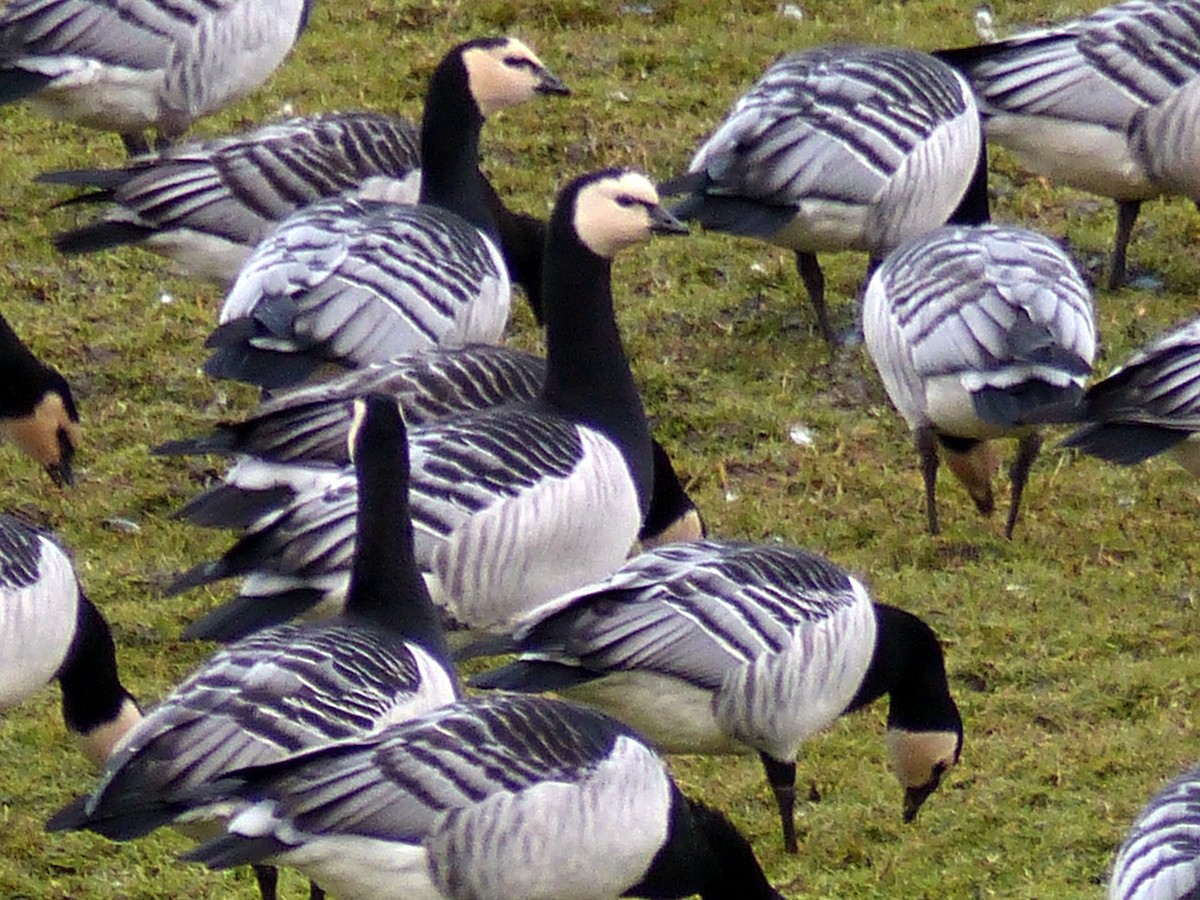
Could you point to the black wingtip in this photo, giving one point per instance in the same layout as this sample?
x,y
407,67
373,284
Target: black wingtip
x,y
243,616
100,236
1124,444
72,817
221,441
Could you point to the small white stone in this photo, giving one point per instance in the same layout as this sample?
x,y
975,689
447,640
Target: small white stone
x,y
123,526
618,96
790,11
801,435
166,299
758,268
732,496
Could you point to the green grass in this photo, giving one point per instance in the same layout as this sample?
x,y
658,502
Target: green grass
x,y
1072,650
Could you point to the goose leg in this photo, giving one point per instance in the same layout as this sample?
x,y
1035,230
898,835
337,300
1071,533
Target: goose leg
x,y
135,143
1127,213
1027,451
315,892
268,881
814,283
927,448
782,778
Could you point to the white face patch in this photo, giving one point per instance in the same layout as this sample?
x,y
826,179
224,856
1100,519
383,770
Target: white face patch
x,y
915,755
502,76
614,213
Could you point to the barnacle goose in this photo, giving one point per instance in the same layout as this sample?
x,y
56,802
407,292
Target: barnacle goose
x,y
512,505
37,409
1150,405
50,630
349,281
841,148
1107,104
309,424
721,647
492,798
207,204
1160,857
130,65
296,686
979,333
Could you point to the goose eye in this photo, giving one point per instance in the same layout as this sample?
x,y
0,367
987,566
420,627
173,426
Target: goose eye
x,y
626,201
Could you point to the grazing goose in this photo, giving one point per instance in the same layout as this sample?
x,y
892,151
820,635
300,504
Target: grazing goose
x,y
309,424
715,647
208,204
492,798
130,65
976,332
350,281
1160,857
296,686
1148,406
841,148
37,410
512,505
1107,104
50,630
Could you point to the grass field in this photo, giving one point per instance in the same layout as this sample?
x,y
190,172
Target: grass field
x,y
1072,650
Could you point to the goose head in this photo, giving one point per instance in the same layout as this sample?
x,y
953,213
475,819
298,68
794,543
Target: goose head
x,y
618,208
503,72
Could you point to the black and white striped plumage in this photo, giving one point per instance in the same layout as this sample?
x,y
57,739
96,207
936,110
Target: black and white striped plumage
x,y
131,65
310,424
1160,857
492,798
1150,405
208,204
512,505
1107,104
841,148
49,630
718,647
977,333
352,281
37,408
284,689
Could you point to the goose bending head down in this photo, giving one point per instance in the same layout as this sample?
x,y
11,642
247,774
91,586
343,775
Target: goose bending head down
x,y
721,647
351,281
37,408
980,333
841,148
50,630
513,505
138,64
1107,104
491,798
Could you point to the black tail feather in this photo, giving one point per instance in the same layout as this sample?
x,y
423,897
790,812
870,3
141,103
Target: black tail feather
x,y
101,236
1125,444
242,616
532,677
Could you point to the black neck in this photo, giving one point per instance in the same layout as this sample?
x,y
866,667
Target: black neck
x,y
25,377
669,501
908,665
450,128
973,208
706,855
386,586
587,372
92,693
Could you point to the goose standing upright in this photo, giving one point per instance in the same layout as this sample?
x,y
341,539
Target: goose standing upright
x,y
1160,857
1107,104
37,409
349,281
720,647
292,687
979,333
51,631
131,65
492,798
841,148
207,204
512,505
1150,405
